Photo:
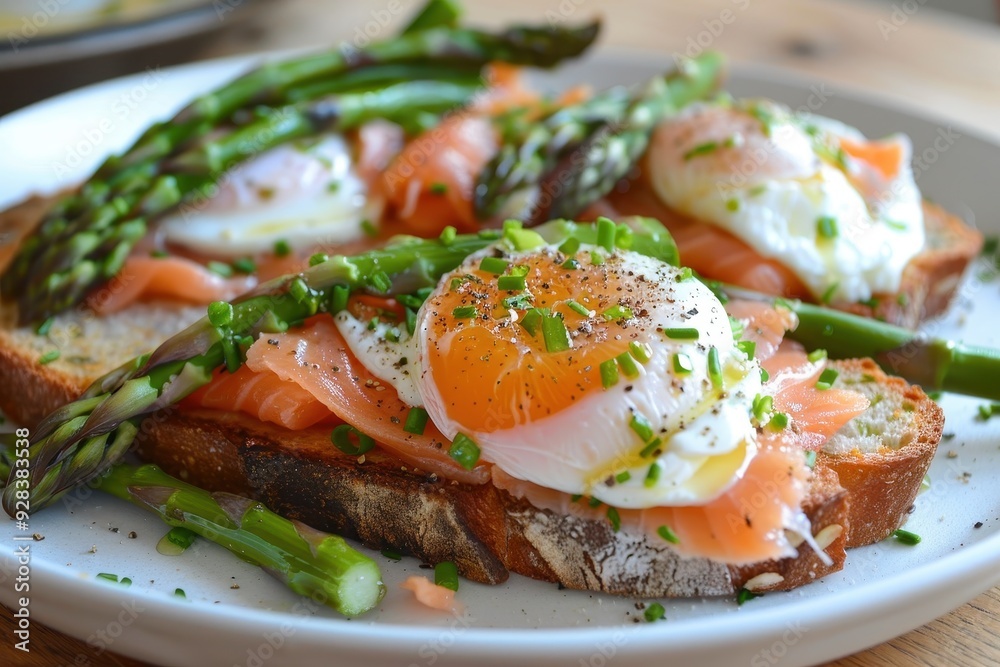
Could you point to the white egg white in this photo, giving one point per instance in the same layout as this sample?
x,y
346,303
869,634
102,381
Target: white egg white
x,y
303,193
765,182
707,435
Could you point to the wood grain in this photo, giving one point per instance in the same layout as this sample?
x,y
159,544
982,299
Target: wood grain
x,y
941,64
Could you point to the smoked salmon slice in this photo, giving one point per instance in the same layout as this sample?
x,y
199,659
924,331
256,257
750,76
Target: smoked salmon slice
x,y
262,395
317,359
709,250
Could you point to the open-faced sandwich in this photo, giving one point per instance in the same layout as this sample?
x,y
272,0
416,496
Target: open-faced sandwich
x,y
568,401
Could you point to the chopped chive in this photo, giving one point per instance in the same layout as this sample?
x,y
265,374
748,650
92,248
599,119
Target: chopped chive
x,y
392,554
380,282
570,264
651,448
578,308
764,375
747,347
779,421
465,451
686,274
652,475
745,595
464,312
817,355
220,268
48,357
392,335
512,283
179,592
615,519
627,365
220,313
827,378
593,502
668,535
762,405
416,421
523,239
624,237
245,265
448,235
570,246
575,498
373,323
641,426
520,301
826,227
282,248
596,258
606,231
681,333
809,455
617,312
701,149
609,373
338,298
623,477
736,326
733,205
350,440
829,292
654,612
494,265
438,188
554,334
318,258
641,352
107,576
181,537
714,367
44,328
369,228
682,363
906,537
125,581
446,575
532,320
299,290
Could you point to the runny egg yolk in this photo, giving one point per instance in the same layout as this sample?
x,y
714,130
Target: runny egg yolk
x,y
570,370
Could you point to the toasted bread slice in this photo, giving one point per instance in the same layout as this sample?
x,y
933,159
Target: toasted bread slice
x,y
484,530
882,455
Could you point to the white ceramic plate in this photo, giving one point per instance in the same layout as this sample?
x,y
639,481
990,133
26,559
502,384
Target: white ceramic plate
x,y
884,591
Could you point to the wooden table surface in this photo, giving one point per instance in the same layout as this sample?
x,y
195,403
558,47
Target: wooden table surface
x,y
942,64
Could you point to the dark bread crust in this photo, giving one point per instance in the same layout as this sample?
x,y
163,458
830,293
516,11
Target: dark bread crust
x,y
484,530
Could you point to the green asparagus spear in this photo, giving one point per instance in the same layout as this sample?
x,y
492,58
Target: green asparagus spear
x,y
582,150
93,248
86,236
311,563
936,364
614,149
435,14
